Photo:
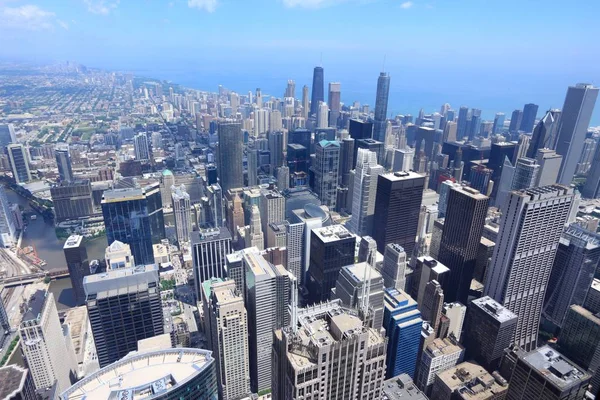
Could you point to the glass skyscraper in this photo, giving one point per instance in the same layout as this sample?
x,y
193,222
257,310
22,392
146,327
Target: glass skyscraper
x,y
318,90
381,104
230,155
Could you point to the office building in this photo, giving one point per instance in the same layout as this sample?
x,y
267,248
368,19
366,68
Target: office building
x,y
480,178
118,255
326,167
331,248
545,373
275,139
401,387
575,264
397,208
44,343
580,337
328,352
463,227
381,105
372,145
543,133
183,213
19,163
272,208
591,189
63,162
135,216
433,300
72,199
346,160
318,89
283,178
164,374
498,123
230,155
254,236
394,267
268,291
78,264
334,101
7,135
209,249
490,329
527,241
124,306
592,300
454,317
426,270
437,356
529,115
463,118
7,221
549,163
141,147
574,122
515,122
364,191
360,129
229,340
16,382
468,381
525,175
322,115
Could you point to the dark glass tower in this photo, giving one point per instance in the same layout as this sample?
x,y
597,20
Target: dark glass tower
x,y
529,114
78,264
542,134
360,129
463,116
381,105
318,90
134,216
230,155
63,162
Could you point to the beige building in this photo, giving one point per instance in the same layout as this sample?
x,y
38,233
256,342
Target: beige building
x,y
468,381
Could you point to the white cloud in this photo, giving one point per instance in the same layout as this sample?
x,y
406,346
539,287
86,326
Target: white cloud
x,y
406,5
28,16
206,5
63,24
101,7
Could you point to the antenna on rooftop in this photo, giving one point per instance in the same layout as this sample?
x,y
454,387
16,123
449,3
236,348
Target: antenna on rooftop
x,y
383,67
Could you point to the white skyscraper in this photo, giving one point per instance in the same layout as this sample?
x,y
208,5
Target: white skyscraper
x,y
254,235
363,194
7,221
182,211
272,208
394,267
529,235
322,115
141,148
261,121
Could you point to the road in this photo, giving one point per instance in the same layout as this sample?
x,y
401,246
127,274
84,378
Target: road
x,y
11,264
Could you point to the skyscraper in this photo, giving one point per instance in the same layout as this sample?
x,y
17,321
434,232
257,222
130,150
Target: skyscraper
x,y
230,155
397,208
78,265
7,135
290,89
318,89
574,122
580,337
334,103
381,105
327,164
19,163
7,221
209,249
322,115
542,134
480,178
124,306
529,234
433,300
515,121
360,129
394,267
364,191
591,189
276,149
63,162
549,163
72,199
498,123
463,117
529,115
141,147
305,105
465,218
183,213
254,235
135,216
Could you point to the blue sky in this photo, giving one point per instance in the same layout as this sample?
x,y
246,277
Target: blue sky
x,y
496,55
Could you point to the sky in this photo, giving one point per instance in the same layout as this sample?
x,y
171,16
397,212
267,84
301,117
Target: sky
x,y
491,54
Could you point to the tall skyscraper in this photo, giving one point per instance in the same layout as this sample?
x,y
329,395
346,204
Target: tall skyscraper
x,y
515,121
433,300
327,169
72,199
345,360
63,162
141,147
322,115
381,105
529,115
44,343
591,189
229,339
7,221
542,134
574,122
290,89
462,124
318,89
334,101
305,105
124,306
397,208
480,178
135,216
394,267
209,249
364,191
579,338
268,294
498,123
276,149
272,208
78,265
549,163
183,213
360,129
19,163
7,135
475,124
230,155
254,235
465,218
529,235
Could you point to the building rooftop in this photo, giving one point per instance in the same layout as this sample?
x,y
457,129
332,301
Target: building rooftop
x,y
333,233
35,306
472,382
557,369
139,376
473,193
118,195
73,241
434,264
439,347
122,280
12,379
402,176
77,320
401,387
357,272
209,235
494,309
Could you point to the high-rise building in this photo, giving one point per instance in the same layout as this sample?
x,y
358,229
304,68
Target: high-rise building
x,y
454,314
290,89
209,249
276,149
437,356
545,373
135,216
322,115
183,213
72,199
575,264
397,208
254,236
230,155
181,373
591,189
360,129
463,226
474,124
7,135
118,255
498,123
44,343
401,387
426,270
542,134
462,124
7,221
327,169
433,300
141,147
283,178
63,162
78,264
549,163
335,349
19,163
580,336
268,291
480,178
305,105
334,101
468,381
16,383
515,121
124,306
363,194
527,241
394,267
331,248
526,172
529,115
574,122
229,340
381,105
318,89
490,329
272,208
